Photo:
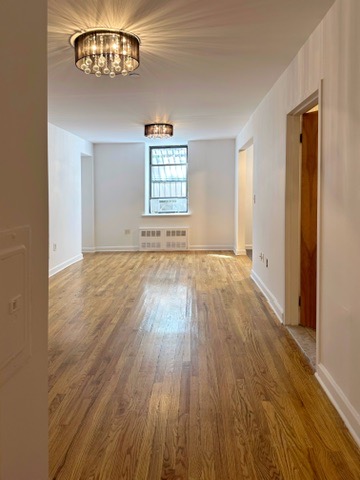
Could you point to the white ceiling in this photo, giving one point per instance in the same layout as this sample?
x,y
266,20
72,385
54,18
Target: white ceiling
x,y
204,64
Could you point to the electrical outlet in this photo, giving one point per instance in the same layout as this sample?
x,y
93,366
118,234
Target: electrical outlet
x,y
127,231
54,247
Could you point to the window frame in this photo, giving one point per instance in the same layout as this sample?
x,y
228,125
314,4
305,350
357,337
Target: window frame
x,y
150,197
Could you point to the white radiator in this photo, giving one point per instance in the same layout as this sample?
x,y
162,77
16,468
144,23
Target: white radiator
x,y
153,239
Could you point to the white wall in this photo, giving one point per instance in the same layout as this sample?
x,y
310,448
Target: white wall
x,y
120,192
87,204
331,54
211,193
249,197
65,225
23,201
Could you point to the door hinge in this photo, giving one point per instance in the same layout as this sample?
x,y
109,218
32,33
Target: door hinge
x,y
299,301
300,137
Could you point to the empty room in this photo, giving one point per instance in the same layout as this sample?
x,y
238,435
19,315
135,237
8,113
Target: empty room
x,y
179,231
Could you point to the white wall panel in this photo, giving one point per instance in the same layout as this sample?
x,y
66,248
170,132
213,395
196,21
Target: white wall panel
x,y
249,199
119,194
87,204
65,225
211,192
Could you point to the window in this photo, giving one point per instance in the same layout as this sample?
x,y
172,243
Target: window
x,y
168,180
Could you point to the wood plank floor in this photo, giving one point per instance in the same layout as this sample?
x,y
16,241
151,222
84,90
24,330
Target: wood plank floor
x,y
172,366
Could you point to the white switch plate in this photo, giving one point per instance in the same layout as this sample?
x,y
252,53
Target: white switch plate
x,y
15,331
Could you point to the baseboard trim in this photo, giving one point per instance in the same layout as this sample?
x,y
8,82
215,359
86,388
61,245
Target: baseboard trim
x,y
248,247
274,304
116,248
64,265
88,249
239,251
211,247
337,397
207,248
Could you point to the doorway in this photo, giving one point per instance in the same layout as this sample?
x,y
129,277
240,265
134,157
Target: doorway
x,y
249,201
301,225
308,218
87,204
244,218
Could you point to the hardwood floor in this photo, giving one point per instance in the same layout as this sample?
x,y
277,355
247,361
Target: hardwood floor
x,y
172,366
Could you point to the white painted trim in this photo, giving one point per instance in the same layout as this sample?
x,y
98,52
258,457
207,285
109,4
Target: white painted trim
x,y
239,252
116,248
337,397
248,247
187,214
274,304
63,265
88,250
292,219
319,327
292,213
211,247
136,248
306,104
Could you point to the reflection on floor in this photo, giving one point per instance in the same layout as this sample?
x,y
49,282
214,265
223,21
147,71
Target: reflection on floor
x,y
306,339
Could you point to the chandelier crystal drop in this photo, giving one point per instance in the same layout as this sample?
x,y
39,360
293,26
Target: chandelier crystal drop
x,y
159,130
106,52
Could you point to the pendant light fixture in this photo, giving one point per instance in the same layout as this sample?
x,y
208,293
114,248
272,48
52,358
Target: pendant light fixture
x,y
159,130
106,52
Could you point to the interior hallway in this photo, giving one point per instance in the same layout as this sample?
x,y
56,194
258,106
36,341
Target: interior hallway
x,y
172,366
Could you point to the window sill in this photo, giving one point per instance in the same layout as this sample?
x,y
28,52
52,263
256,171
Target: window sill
x,y
166,214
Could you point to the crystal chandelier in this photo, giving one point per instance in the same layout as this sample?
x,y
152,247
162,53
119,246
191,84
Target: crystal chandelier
x,y
106,52
159,130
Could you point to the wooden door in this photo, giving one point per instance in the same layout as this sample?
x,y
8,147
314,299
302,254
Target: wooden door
x,y
308,247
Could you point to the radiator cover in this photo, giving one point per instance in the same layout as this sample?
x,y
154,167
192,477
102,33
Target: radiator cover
x,y
162,239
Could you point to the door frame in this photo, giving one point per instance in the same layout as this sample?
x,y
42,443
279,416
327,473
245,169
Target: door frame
x,y
292,212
